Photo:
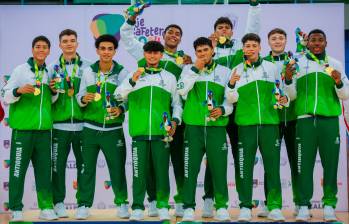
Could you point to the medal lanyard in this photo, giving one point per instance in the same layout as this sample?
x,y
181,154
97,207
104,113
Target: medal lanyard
x,y
322,62
173,55
100,83
38,74
75,68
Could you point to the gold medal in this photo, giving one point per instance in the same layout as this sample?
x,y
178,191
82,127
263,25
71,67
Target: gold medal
x,y
37,91
222,39
179,60
329,70
141,69
70,92
97,96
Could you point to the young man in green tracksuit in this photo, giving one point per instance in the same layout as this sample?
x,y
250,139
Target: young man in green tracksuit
x,y
103,117
277,39
253,87
172,37
206,116
65,74
29,96
318,88
151,94
228,53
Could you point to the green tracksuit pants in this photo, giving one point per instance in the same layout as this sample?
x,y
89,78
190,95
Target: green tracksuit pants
x,y
232,130
176,154
288,132
29,146
199,140
112,144
145,154
315,133
266,137
61,145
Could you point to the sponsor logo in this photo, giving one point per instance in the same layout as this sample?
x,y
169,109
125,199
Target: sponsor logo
x,y
145,33
75,184
6,163
107,184
6,185
101,163
6,144
255,183
71,164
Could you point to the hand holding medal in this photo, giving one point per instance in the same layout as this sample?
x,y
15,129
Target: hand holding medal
x,y
137,8
26,89
138,74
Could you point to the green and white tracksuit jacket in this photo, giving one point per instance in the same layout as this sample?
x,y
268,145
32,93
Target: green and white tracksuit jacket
x,y
254,94
27,111
152,95
135,48
229,51
95,113
66,111
194,87
315,90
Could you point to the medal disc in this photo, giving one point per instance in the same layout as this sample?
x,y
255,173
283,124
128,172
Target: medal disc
x,y
222,39
98,96
179,60
37,91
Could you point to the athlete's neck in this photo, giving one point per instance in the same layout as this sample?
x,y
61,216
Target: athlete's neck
x,y
69,57
105,66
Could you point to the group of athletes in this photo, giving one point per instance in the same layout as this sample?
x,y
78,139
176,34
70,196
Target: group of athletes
x,y
178,109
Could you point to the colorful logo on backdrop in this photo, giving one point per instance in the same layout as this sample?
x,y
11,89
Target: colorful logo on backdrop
x,y
147,33
6,208
107,24
6,163
107,184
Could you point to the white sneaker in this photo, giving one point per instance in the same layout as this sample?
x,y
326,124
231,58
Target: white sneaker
x,y
60,210
296,210
82,213
152,209
303,214
48,214
207,210
164,215
17,216
329,214
276,215
179,211
137,215
189,215
245,215
263,212
122,212
222,214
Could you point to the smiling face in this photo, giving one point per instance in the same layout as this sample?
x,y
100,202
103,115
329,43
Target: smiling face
x,y
172,37
152,58
224,30
106,51
68,44
277,43
251,50
40,51
317,43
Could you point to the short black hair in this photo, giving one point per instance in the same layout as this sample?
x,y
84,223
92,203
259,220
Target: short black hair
x,y
278,31
153,46
106,38
250,36
223,20
68,32
41,38
174,26
317,31
202,41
